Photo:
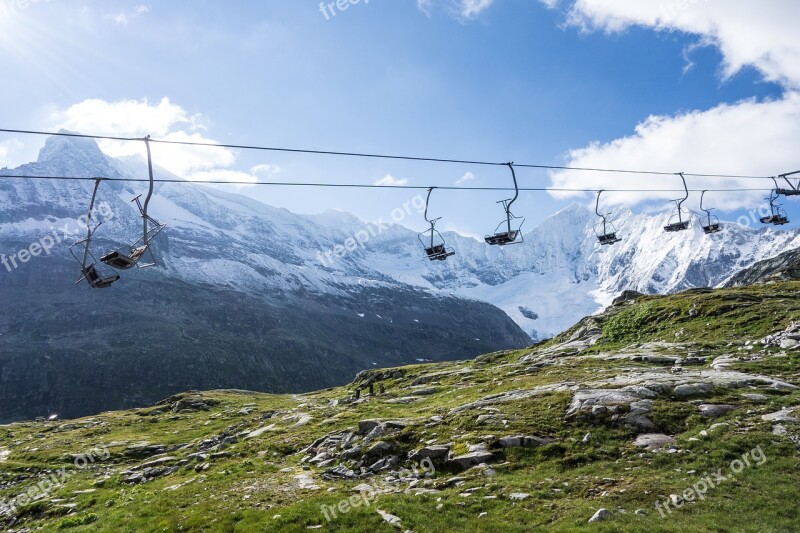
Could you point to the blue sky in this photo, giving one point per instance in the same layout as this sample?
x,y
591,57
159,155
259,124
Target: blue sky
x,y
531,81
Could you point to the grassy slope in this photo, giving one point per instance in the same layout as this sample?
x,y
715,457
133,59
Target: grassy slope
x,y
254,488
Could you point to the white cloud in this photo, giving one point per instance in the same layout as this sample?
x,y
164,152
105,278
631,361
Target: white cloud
x,y
389,180
758,34
266,169
461,9
466,178
745,138
473,8
123,18
7,149
425,6
163,121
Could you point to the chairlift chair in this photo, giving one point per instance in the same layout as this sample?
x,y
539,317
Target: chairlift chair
x,y
433,242
89,271
151,227
607,234
777,215
513,230
676,222
712,224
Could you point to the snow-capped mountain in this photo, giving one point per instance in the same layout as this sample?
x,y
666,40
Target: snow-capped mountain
x,y
558,275
251,296
561,273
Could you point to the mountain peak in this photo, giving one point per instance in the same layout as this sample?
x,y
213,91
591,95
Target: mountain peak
x,y
58,149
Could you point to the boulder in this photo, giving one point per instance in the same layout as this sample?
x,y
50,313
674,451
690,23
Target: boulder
x,y
653,441
463,462
600,515
689,390
715,410
436,454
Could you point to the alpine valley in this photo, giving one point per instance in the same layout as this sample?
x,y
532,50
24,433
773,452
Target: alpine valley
x,y
241,299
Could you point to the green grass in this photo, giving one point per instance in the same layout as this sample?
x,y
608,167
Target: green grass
x,y
254,488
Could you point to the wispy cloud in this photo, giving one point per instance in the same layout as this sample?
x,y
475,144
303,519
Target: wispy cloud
x,y
164,120
389,180
123,18
466,178
460,9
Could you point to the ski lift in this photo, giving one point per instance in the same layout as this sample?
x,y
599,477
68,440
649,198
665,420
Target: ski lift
x,y
432,240
513,231
676,221
136,251
777,215
607,235
794,188
89,271
712,224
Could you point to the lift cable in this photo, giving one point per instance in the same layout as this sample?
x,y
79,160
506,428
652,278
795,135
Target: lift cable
x,y
376,156
367,186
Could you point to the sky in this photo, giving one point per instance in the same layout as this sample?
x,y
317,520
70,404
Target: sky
x,y
699,86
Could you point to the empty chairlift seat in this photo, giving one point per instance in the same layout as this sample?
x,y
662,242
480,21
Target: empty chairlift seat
x,y
438,253
502,238
432,241
97,281
605,230
608,239
121,261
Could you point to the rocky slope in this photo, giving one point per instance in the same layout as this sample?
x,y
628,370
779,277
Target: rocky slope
x,y
660,414
784,267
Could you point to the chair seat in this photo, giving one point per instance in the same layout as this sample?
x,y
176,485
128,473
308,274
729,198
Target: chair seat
x,y
121,261
502,238
678,226
713,228
438,253
96,280
609,238
777,220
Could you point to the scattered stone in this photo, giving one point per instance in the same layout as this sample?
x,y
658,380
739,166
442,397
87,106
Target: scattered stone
x,y
462,462
260,431
586,438
600,515
378,450
519,496
437,454
715,410
524,442
757,398
653,441
426,391
690,390
391,519
784,415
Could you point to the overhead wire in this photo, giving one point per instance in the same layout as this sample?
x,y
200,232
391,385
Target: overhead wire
x,y
377,156
361,185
